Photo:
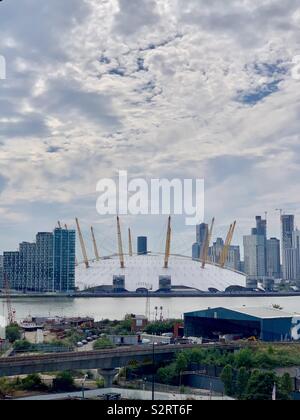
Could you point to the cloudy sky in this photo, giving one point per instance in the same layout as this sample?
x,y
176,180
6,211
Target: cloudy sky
x,y
161,88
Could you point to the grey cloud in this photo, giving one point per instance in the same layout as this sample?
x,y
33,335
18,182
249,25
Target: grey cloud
x,y
3,182
38,27
66,97
134,15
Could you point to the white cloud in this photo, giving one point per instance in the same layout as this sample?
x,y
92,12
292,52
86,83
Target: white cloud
x,y
158,87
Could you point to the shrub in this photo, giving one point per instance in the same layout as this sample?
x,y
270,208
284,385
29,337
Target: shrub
x,y
64,381
103,343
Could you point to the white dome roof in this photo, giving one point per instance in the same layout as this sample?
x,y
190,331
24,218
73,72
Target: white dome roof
x,y
144,271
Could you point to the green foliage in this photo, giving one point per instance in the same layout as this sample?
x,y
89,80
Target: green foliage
x,y
103,343
13,333
228,380
260,386
123,327
73,337
64,382
168,375
244,358
182,362
286,386
160,327
5,388
32,383
100,383
23,346
242,382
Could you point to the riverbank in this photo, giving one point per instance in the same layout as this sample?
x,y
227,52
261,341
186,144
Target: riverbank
x,y
184,294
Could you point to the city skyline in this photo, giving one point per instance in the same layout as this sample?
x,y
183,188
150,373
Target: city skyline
x,y
162,88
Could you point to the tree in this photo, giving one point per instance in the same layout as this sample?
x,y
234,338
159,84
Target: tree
x,y
23,346
64,381
33,383
244,358
103,343
168,375
285,386
181,362
4,388
242,382
13,333
227,379
260,386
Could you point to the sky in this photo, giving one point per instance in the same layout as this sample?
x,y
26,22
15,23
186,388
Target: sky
x,y
160,88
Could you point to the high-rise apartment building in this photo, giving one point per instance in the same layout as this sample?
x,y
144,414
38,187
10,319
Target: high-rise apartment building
x,y
201,235
273,258
255,256
64,260
288,255
48,265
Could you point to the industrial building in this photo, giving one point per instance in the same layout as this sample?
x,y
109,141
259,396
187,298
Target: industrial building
x,y
266,324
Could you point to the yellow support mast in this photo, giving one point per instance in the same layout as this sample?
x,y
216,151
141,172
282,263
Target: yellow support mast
x,y
95,244
228,241
168,244
83,248
207,243
130,243
120,244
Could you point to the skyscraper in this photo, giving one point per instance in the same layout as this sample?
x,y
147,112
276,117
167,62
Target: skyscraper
x,y
27,259
255,256
234,258
64,260
196,251
287,227
1,272
142,245
273,258
201,234
44,281
215,250
261,226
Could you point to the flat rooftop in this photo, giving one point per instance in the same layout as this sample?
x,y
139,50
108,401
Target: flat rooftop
x,y
265,313
256,312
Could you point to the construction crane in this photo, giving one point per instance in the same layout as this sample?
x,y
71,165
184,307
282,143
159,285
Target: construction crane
x,y
10,311
225,251
207,243
168,244
120,244
83,248
130,243
95,244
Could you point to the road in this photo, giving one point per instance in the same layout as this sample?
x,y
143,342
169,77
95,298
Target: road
x,y
129,394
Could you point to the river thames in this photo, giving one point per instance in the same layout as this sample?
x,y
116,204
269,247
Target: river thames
x,y
117,308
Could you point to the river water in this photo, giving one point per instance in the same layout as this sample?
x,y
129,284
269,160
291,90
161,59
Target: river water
x,y
117,308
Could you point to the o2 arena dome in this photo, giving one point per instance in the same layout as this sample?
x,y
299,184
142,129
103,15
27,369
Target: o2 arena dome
x,y
148,272
153,271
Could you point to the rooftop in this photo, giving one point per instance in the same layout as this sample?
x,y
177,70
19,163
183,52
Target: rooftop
x,y
265,313
256,312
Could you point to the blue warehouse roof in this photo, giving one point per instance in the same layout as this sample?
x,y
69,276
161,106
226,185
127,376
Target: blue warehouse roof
x,y
241,313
